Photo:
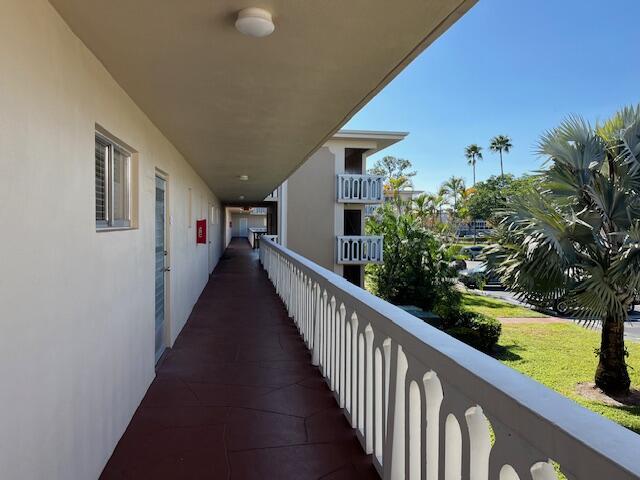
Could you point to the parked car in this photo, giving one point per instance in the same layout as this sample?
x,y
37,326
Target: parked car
x,y
479,277
472,251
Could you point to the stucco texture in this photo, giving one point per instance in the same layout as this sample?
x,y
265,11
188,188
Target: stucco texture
x,y
311,209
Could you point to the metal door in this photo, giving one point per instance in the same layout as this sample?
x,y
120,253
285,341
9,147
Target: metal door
x,y
243,230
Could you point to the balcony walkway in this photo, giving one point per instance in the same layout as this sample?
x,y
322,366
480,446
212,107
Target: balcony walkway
x,y
237,396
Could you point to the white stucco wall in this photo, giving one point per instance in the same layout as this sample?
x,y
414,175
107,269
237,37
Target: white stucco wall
x,y
77,306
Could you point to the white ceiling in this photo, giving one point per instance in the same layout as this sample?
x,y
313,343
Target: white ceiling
x,y
237,105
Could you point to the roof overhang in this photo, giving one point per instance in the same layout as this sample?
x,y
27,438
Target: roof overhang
x,y
235,105
380,139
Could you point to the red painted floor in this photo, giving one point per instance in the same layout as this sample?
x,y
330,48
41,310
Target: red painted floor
x,y
237,397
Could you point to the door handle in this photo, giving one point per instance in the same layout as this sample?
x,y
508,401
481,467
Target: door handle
x,y
167,269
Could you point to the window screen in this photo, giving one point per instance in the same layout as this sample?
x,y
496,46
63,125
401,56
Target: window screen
x,y
120,187
113,184
101,182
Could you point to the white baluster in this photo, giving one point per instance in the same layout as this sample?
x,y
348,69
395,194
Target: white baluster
x,y
386,347
341,354
415,432
315,356
452,449
434,396
354,370
332,345
361,383
378,401
479,443
508,473
543,471
368,397
399,407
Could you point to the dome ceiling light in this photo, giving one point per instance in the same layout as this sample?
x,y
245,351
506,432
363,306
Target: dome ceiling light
x,y
255,22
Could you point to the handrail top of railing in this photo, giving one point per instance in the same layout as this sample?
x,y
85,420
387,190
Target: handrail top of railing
x,y
362,175
358,237
613,443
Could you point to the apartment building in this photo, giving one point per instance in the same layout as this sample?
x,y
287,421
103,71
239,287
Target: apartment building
x,y
321,206
134,345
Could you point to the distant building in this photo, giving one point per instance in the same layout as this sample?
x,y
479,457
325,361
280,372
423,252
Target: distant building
x,y
322,205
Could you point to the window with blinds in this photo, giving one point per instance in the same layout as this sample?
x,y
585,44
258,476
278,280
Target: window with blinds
x,y
113,184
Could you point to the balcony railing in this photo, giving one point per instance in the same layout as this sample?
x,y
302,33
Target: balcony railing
x,y
353,188
258,211
424,404
359,250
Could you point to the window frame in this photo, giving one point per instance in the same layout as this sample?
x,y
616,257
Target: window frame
x,y
109,222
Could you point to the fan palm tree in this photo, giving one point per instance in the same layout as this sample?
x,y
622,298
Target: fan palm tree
x,y
473,153
500,143
576,234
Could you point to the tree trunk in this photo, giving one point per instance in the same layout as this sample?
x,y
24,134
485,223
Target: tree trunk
x,y
501,169
612,375
474,174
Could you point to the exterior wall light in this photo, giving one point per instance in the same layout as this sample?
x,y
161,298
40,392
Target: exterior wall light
x,y
255,22
244,178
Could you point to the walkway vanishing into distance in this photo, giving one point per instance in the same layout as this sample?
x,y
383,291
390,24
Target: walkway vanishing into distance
x,y
237,397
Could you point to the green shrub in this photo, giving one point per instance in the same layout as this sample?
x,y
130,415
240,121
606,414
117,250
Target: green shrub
x,y
477,330
417,268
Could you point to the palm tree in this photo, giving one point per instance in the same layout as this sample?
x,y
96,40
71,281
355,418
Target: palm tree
x,y
453,188
473,153
393,188
436,202
421,208
576,235
500,143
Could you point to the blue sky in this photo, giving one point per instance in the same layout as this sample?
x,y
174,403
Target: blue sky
x,y
514,67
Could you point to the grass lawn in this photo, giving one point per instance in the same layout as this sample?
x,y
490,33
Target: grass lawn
x,y
496,308
562,355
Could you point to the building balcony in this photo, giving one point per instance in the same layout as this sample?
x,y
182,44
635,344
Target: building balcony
x,y
353,188
359,249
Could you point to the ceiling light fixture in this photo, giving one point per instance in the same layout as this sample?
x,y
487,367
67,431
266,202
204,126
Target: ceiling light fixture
x,y
244,178
241,197
255,22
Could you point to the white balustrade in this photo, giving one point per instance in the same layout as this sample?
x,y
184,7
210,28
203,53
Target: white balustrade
x,y
424,404
258,211
359,249
354,188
